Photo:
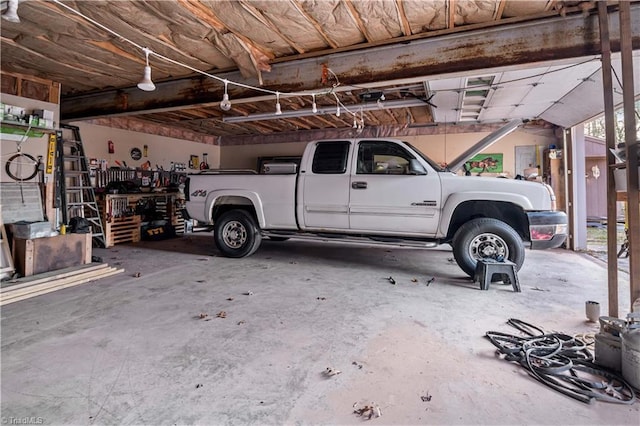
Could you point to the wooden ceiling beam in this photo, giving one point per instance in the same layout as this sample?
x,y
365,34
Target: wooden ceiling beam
x,y
402,17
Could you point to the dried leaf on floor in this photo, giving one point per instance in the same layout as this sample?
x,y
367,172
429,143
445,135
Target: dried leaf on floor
x,y
391,280
426,398
136,275
367,411
331,372
221,314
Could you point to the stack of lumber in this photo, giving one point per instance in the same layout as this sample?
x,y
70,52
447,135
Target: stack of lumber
x,y
25,288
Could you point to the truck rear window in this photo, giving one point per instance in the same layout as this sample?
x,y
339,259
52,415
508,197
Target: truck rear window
x,y
331,157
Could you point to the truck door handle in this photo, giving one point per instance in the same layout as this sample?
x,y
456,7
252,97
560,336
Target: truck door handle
x,y
359,185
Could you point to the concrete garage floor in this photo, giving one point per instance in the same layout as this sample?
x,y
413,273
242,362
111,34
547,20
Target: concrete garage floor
x,y
127,350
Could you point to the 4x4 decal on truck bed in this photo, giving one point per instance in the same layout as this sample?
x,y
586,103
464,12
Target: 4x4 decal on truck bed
x,y
199,193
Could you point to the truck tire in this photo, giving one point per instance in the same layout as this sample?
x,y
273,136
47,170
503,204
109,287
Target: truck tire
x,y
236,234
486,238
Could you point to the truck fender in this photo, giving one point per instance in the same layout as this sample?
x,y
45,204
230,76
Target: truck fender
x,y
455,199
233,196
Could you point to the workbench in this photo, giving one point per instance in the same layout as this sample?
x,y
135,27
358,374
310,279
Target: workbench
x,y
124,214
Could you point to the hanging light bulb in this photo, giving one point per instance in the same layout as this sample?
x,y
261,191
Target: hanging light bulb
x,y
146,84
380,101
314,108
11,14
278,109
355,123
225,104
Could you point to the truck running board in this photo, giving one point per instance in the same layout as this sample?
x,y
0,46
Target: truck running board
x,y
370,239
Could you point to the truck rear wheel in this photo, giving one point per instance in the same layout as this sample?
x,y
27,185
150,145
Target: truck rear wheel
x,y
236,234
486,238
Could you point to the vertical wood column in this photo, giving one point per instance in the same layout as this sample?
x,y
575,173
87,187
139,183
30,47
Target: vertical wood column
x,y
633,200
612,223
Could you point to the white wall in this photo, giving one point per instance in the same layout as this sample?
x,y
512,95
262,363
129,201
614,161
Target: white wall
x,y
440,148
162,150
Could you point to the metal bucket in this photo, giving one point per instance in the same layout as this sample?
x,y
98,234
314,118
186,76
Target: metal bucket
x,y
631,350
608,345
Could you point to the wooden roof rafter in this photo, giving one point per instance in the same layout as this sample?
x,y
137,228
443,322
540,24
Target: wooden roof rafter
x,y
268,23
402,17
315,24
259,55
358,20
497,14
451,13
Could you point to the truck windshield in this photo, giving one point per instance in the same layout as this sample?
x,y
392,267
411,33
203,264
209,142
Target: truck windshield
x,y
424,157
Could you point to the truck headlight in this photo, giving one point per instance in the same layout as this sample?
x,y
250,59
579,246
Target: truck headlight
x,y
546,232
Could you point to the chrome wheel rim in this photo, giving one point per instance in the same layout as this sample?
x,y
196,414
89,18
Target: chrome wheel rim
x,y
234,234
488,246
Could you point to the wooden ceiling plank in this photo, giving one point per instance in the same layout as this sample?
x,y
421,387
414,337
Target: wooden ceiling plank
x,y
315,24
369,118
402,16
353,12
322,119
391,116
52,63
267,23
301,122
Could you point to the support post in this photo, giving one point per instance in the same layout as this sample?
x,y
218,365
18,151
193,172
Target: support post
x,y
610,136
631,141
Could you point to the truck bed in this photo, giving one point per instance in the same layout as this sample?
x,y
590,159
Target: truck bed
x,y
275,194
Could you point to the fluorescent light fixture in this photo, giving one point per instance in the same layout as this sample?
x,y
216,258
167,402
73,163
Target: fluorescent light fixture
x,y
409,103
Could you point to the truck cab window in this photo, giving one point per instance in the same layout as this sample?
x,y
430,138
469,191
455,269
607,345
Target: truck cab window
x,y
376,157
330,158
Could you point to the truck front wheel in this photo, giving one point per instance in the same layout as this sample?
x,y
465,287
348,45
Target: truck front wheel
x,y
486,238
236,234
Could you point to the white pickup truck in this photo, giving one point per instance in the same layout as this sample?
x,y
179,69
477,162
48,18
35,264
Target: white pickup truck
x,y
378,191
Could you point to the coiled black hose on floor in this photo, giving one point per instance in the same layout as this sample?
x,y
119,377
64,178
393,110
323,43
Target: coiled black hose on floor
x,y
562,362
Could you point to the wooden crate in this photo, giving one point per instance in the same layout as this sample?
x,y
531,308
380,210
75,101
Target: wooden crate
x,y
38,255
122,230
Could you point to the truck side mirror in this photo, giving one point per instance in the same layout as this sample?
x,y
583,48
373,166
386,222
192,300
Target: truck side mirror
x,y
415,168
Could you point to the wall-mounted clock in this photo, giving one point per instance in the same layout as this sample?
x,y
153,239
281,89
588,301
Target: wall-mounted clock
x,y
135,153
